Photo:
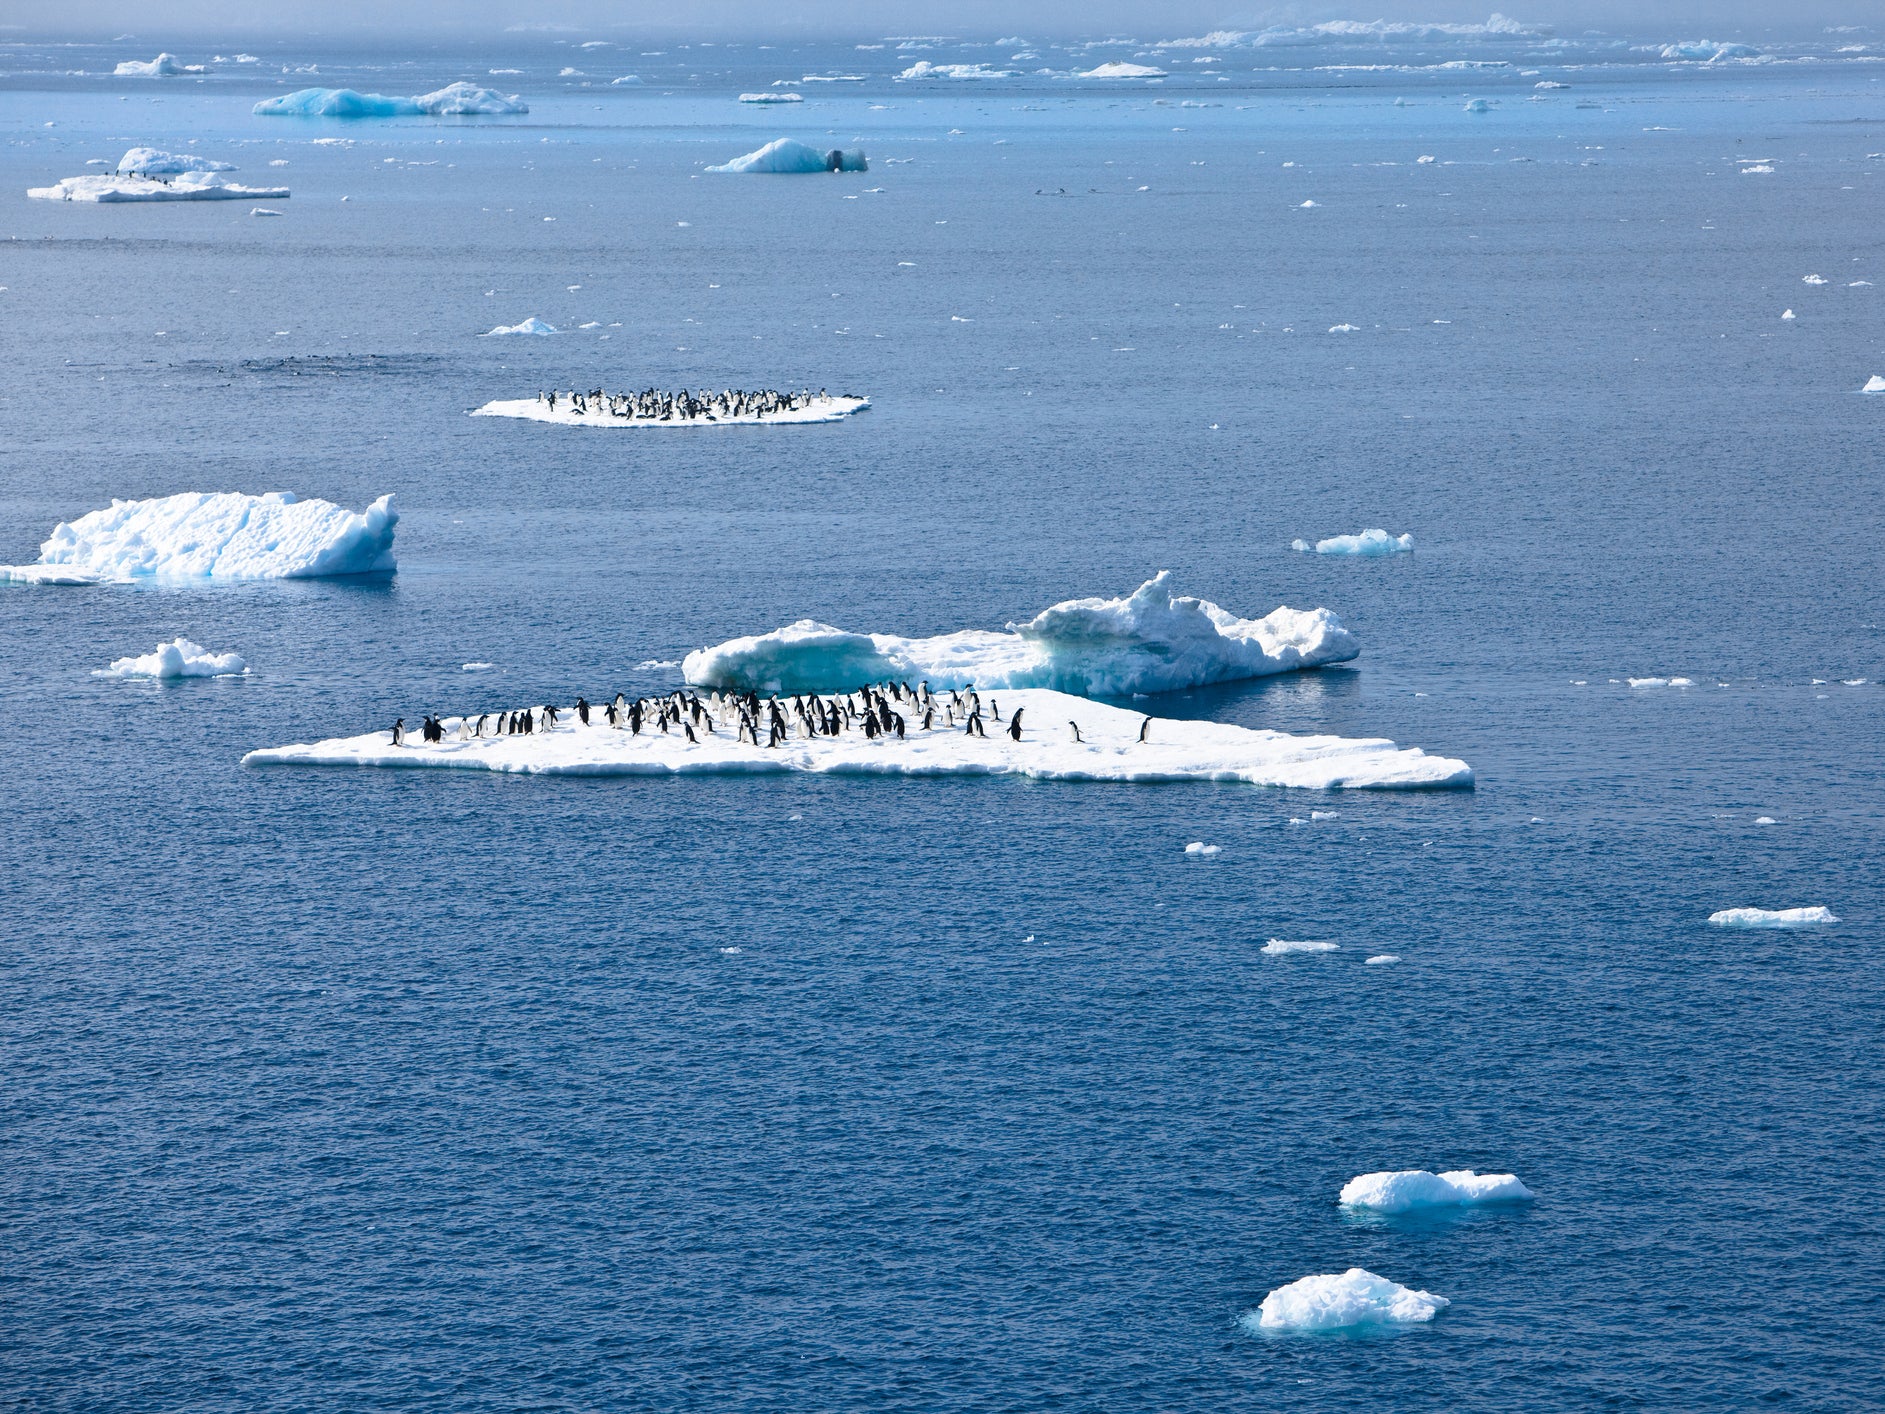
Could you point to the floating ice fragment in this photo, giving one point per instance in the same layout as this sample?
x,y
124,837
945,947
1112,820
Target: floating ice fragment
x,y
626,81
924,69
1198,847
648,664
1772,917
1354,1298
1763,167
475,667
788,155
768,97
164,66
532,325
1403,1190
180,658
1786,314
1123,71
1323,814
1279,947
263,211
1812,279
1874,384
1369,542
1344,328
1477,105
454,100
1550,83
1382,957
1425,161
1661,682
1764,820
1308,205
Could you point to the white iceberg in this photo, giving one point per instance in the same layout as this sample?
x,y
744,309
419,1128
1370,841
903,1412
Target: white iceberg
x,y
1478,105
1403,1190
180,658
164,66
1369,542
923,69
532,325
772,98
1709,51
1283,947
113,187
789,155
1123,71
155,162
1382,958
216,535
1153,640
1108,748
1772,917
1874,384
1641,683
1355,1298
1198,849
454,100
626,81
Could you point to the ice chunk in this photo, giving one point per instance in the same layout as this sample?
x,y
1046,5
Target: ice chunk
x,y
772,98
1382,957
1764,820
814,407
1369,542
113,187
1282,947
1153,640
1550,83
218,535
1767,167
1355,1298
1109,749
1707,50
1812,279
179,658
1202,850
1786,314
1402,1190
155,162
454,100
1477,105
1874,384
1123,71
162,67
626,81
1661,682
789,155
475,667
1344,328
923,69
1772,917
532,325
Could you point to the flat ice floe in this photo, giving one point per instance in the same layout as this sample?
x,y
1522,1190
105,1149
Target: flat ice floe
x,y
1153,640
1772,917
1354,1298
531,326
788,155
772,98
151,174
454,100
180,658
1369,542
1118,70
1109,749
1404,1190
716,410
223,535
1284,947
924,69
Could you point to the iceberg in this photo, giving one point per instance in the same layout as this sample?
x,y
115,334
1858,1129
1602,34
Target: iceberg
x,y
179,658
772,98
1772,917
1123,71
222,535
164,66
454,100
1153,640
1355,1298
112,187
155,162
923,69
1107,748
1874,384
1707,50
1380,959
1369,542
789,155
1283,947
532,325
1404,1190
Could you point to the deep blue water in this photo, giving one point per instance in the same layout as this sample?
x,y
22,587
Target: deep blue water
x,y
419,1090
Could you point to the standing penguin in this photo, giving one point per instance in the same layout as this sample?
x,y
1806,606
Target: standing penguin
x,y
399,732
1014,724
1076,732
1144,727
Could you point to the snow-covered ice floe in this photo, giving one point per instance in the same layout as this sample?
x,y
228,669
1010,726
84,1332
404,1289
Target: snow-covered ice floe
x,y
151,174
532,325
1108,748
1119,70
164,66
785,155
1369,542
1283,947
155,162
1642,683
453,101
1153,640
180,658
1874,384
1772,917
1354,1298
1404,1190
593,412
218,535
924,69
772,98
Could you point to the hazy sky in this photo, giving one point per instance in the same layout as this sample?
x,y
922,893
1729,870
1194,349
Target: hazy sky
x,y
760,19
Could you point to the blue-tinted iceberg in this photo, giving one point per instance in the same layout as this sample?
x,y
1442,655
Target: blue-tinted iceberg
x,y
1354,1298
1406,1189
164,66
790,155
155,162
221,535
1369,542
180,658
532,325
454,100
1153,640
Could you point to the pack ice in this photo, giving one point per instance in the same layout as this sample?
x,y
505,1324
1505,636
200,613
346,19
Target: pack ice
x,y
1772,917
1354,1298
1153,640
218,535
151,174
1108,748
790,155
180,658
453,101
1369,542
1406,1189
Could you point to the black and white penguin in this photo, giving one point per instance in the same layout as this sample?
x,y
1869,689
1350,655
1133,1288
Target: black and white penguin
x,y
1076,732
582,710
1144,727
399,732
1014,724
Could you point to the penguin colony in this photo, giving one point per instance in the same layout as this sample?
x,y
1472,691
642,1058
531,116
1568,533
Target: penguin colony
x,y
654,405
877,710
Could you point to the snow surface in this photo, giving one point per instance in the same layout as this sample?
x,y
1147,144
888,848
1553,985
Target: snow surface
x,y
1406,1189
532,325
1369,542
790,155
180,658
827,409
1874,384
1153,640
1283,947
1355,1298
1124,71
187,186
164,66
454,100
1109,751
216,535
772,98
1772,917
154,161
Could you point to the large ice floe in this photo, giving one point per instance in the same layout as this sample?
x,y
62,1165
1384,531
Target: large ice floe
x,y
1772,917
663,409
151,174
1354,1298
180,658
1369,542
772,98
789,155
1061,738
222,535
455,100
924,69
1152,640
1404,1190
1118,70
164,66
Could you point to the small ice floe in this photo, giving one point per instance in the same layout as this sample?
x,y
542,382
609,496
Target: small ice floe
x,y
1308,206
1354,1298
1202,850
455,100
263,211
1382,957
770,97
1345,328
164,66
1874,384
151,174
1812,279
651,664
1425,160
532,325
1845,682
1369,542
1550,83
1760,167
1764,820
1477,105
179,658
626,81
924,69
788,155
1282,947
1323,814
1404,1190
1123,71
1772,917
1661,682
475,667
731,952
1786,314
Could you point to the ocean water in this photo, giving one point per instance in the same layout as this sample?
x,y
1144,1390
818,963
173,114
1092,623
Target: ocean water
x,y
427,1091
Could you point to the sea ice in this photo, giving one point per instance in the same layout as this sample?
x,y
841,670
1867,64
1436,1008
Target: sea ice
x,y
626,81
790,155
772,98
923,69
1201,849
1109,749
1772,917
454,100
1406,1189
112,187
1766,167
1281,947
1153,640
819,407
1478,105
1382,957
1123,71
155,162
1661,682
179,658
1369,542
532,325
162,67
1355,1298
216,535
1874,384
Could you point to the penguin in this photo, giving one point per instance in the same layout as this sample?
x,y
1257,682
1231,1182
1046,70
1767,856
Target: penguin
x,y
582,710
1076,732
1014,724
692,740
896,719
481,717
777,736
929,718
1144,727
399,732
